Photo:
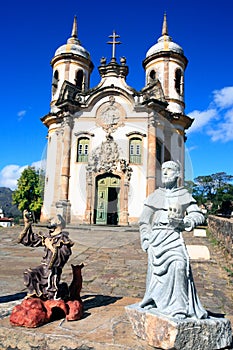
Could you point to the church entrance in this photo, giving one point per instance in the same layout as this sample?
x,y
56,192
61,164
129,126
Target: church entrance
x,y
107,200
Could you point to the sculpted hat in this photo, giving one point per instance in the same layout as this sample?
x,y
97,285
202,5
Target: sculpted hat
x,y
57,221
171,164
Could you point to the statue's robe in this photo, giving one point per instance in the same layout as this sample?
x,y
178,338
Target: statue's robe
x,y
170,287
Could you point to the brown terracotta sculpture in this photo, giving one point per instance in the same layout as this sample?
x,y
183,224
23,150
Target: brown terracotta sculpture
x,y
43,280
46,294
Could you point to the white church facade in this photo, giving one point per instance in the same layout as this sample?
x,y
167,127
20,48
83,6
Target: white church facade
x,y
106,144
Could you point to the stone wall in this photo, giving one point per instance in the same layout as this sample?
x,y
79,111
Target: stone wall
x,y
222,230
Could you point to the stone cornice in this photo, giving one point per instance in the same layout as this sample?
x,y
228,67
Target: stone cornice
x,y
135,133
72,57
50,119
165,54
183,120
84,133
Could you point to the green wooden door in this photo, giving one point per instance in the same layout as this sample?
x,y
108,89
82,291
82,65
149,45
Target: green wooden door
x,y
107,201
102,205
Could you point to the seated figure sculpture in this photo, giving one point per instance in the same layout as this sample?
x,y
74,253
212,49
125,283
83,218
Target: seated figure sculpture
x,y
43,280
167,212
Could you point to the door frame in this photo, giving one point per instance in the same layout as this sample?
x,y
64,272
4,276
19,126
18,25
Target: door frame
x,y
102,215
123,215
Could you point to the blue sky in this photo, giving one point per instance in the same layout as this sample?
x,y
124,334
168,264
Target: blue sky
x,y
31,31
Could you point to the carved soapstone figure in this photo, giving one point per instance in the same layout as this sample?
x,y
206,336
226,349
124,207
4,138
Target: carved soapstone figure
x,y
167,212
43,280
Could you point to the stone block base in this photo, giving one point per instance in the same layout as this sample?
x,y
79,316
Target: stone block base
x,y
168,333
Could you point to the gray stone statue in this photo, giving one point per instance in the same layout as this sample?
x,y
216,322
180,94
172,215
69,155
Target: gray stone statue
x,y
167,212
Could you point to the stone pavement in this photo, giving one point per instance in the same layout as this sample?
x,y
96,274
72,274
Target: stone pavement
x,y
113,277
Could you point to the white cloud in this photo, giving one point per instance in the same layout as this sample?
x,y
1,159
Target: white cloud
x,y
224,98
21,114
40,164
10,174
217,120
224,130
201,119
192,148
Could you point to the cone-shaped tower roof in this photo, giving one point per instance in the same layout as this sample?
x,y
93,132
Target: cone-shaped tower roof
x,y
165,42
164,29
73,44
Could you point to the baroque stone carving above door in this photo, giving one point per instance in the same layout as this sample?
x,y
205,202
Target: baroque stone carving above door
x,y
106,158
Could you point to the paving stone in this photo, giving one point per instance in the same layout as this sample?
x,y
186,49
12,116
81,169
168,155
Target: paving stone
x,y
199,232
198,252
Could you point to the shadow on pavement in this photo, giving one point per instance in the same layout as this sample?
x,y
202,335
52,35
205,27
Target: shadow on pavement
x,y
92,301
13,297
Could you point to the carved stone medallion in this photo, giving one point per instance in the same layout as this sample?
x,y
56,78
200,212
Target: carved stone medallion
x,y
110,115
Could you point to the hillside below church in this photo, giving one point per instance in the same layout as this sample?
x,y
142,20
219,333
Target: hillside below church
x,y
10,210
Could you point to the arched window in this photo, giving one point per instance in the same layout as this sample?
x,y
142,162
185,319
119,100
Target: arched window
x,y
135,150
55,81
178,81
83,149
79,79
152,76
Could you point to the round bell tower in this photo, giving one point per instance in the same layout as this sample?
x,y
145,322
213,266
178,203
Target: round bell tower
x,y
165,61
72,63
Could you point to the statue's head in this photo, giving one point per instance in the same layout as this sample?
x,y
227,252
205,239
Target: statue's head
x,y
57,223
170,174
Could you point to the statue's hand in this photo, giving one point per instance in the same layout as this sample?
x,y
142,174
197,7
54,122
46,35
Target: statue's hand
x,y
49,245
145,245
27,217
176,223
188,224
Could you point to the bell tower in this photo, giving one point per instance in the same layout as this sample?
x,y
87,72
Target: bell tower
x,y
71,63
165,61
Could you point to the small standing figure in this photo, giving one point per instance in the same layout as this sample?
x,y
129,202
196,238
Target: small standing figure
x,y
43,280
167,212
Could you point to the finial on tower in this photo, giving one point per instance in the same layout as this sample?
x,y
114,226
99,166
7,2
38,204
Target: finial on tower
x,y
164,29
114,42
74,33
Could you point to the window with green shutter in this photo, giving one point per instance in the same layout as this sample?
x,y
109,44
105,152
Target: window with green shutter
x,y
135,150
83,149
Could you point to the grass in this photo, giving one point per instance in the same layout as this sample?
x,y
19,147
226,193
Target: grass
x,y
229,270
226,264
213,240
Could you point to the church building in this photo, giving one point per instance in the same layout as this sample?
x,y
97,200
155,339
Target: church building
x,y
106,143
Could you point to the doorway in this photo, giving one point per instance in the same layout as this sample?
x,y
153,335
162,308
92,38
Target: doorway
x,y
107,200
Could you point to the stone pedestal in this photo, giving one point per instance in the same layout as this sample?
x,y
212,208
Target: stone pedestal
x,y
168,333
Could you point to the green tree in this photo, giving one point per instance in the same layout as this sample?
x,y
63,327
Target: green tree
x,y
28,194
217,189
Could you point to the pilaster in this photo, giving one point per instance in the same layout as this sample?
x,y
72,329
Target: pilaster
x,y
151,155
62,204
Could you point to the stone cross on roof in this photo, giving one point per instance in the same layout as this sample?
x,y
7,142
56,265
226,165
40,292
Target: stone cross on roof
x,y
114,36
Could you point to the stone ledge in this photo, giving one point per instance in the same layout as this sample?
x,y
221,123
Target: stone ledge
x,y
168,333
